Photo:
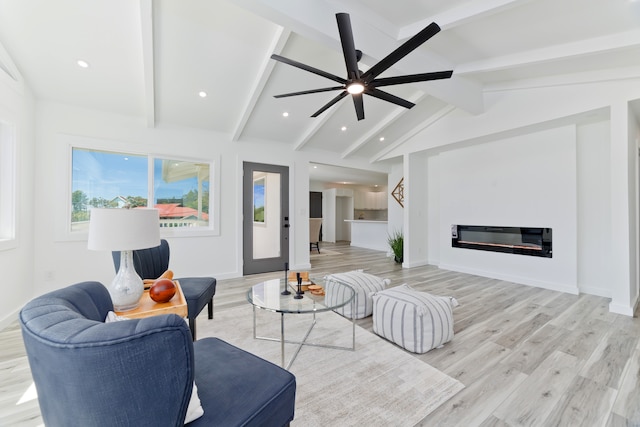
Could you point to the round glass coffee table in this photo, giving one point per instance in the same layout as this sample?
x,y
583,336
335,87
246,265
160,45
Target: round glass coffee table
x,y
268,295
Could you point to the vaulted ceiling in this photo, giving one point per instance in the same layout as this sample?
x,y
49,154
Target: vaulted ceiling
x,y
151,59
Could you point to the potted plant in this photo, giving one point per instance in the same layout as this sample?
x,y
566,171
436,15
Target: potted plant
x,y
396,243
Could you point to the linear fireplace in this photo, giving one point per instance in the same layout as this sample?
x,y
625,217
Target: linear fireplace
x,y
514,240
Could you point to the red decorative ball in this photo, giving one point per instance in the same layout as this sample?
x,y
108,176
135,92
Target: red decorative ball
x,y
162,290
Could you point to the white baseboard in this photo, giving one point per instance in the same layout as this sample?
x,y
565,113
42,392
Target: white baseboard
x,y
599,292
621,309
421,263
570,289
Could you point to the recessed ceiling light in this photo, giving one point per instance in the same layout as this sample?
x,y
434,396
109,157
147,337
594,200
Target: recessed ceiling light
x,y
82,64
202,94
285,114
343,128
382,138
315,167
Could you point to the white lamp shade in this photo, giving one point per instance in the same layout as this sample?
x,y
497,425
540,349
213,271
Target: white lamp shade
x,y
123,229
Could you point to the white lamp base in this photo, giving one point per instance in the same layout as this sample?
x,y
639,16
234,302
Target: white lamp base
x,y
127,287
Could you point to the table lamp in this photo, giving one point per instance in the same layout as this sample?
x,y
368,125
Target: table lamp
x,y
124,230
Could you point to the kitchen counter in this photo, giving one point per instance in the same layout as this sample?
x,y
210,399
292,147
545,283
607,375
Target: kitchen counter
x,y
369,234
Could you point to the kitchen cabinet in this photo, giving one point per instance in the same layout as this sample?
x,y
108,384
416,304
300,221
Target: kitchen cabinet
x,y
369,200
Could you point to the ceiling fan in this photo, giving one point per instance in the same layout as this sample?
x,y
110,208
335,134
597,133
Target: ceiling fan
x,y
357,82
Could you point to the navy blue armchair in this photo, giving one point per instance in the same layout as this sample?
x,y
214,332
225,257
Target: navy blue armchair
x,y
198,291
140,372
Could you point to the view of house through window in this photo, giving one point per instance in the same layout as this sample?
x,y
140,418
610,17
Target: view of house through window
x,y
181,192
180,189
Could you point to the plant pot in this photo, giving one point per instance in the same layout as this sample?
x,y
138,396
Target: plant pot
x,y
398,259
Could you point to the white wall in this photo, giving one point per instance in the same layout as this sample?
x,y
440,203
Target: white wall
x,y
526,181
46,257
518,109
433,213
60,262
523,108
16,260
396,211
329,215
344,210
594,208
416,210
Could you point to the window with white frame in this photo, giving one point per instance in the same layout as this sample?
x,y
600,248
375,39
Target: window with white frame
x,y
7,186
178,188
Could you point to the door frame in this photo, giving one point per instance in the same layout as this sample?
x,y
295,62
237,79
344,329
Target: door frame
x,y
263,265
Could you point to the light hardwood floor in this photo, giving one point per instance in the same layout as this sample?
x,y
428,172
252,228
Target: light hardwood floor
x,y
527,356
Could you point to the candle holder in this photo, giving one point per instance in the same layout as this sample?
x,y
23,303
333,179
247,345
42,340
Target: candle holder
x,y
299,292
286,280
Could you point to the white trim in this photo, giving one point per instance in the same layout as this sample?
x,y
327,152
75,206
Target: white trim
x,y
8,185
214,196
620,309
570,289
62,224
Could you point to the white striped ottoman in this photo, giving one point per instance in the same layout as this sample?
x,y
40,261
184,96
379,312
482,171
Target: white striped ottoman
x,y
364,284
416,321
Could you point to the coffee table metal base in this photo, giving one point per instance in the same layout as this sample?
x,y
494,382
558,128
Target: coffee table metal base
x,y
283,341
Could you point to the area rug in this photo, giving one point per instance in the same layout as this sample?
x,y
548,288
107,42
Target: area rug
x,y
378,384
323,252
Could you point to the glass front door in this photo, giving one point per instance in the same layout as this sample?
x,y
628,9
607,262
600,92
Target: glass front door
x,y
266,217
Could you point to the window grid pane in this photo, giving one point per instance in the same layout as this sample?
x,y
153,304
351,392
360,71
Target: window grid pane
x,y
105,179
181,192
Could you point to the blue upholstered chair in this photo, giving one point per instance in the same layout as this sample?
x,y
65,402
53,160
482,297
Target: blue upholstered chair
x,y
198,291
140,372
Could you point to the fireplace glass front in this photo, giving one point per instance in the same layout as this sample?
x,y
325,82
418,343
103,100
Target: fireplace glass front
x,y
515,240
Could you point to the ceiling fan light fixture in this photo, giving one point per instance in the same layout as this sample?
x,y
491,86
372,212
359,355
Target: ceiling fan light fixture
x,y
358,83
355,88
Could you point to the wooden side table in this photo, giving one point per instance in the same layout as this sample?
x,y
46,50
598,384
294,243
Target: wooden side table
x,y
148,307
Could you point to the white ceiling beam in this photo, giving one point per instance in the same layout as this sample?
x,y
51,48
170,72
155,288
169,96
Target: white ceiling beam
x,y
146,33
411,132
9,72
383,124
316,20
316,125
264,73
598,45
366,14
462,14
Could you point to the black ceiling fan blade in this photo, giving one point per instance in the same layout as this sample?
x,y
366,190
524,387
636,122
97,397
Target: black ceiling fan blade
x,y
385,96
330,104
357,102
406,48
411,78
348,45
308,68
306,92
